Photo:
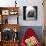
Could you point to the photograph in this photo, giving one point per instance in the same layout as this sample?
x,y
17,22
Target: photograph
x,y
30,13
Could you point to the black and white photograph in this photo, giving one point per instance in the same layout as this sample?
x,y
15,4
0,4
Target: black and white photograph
x,y
29,12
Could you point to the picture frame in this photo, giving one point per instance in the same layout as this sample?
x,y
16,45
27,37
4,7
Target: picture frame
x,y
5,20
6,34
5,12
30,13
10,20
13,20
13,12
9,34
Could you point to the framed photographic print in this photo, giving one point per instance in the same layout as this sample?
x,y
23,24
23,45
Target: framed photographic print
x,y
13,20
10,19
7,34
5,20
5,12
29,12
13,12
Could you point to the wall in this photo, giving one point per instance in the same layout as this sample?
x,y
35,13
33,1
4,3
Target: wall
x,y
39,22
22,3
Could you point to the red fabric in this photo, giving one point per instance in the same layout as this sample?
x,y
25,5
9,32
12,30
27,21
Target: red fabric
x,y
28,33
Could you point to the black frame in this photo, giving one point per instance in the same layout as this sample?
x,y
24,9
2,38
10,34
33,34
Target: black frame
x,y
24,12
7,35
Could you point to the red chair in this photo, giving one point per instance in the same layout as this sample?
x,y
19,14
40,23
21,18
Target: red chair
x,y
29,33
